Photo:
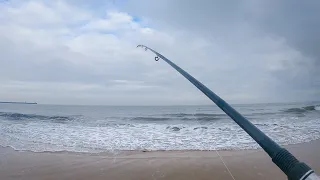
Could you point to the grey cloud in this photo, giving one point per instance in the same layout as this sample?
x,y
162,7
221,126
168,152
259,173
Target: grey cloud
x,y
246,51
297,21
49,66
234,25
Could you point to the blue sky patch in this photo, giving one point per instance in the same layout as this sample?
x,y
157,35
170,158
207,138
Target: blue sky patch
x,y
136,19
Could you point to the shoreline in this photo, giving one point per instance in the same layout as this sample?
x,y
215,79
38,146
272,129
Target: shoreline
x,y
107,152
137,165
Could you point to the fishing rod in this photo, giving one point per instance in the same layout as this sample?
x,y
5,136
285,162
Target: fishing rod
x,y
293,168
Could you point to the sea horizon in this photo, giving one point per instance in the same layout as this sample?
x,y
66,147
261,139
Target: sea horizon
x,y
155,105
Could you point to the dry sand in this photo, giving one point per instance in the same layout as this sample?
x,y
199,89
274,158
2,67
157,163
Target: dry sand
x,y
184,165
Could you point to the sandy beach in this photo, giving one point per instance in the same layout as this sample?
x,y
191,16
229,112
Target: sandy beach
x,y
184,165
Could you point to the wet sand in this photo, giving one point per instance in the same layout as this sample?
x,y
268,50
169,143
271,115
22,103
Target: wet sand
x,y
184,165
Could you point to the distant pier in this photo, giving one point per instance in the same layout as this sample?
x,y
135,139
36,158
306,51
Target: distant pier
x,y
8,102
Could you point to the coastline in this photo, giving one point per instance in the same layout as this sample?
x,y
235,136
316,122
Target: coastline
x,y
243,164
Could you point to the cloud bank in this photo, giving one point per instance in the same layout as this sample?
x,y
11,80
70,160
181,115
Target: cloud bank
x,y
80,52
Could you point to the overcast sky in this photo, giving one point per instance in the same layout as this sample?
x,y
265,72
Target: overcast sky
x,y
84,52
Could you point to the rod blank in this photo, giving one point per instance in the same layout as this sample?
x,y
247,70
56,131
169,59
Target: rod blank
x,y
294,169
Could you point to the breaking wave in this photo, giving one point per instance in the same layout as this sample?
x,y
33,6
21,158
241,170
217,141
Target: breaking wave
x,y
303,109
159,119
150,119
196,115
21,116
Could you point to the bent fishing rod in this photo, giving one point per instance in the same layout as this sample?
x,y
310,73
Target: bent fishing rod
x,y
292,167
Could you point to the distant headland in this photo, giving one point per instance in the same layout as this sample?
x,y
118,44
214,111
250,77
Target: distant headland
x,y
8,102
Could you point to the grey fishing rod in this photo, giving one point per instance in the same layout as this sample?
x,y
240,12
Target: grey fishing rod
x,y
294,169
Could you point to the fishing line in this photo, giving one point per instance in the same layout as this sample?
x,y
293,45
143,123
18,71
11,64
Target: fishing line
x,y
225,165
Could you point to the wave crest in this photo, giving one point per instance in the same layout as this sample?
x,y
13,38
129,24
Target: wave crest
x,y
195,115
21,116
303,109
150,119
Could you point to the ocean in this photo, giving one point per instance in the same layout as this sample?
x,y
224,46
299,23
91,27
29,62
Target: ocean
x,y
96,129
